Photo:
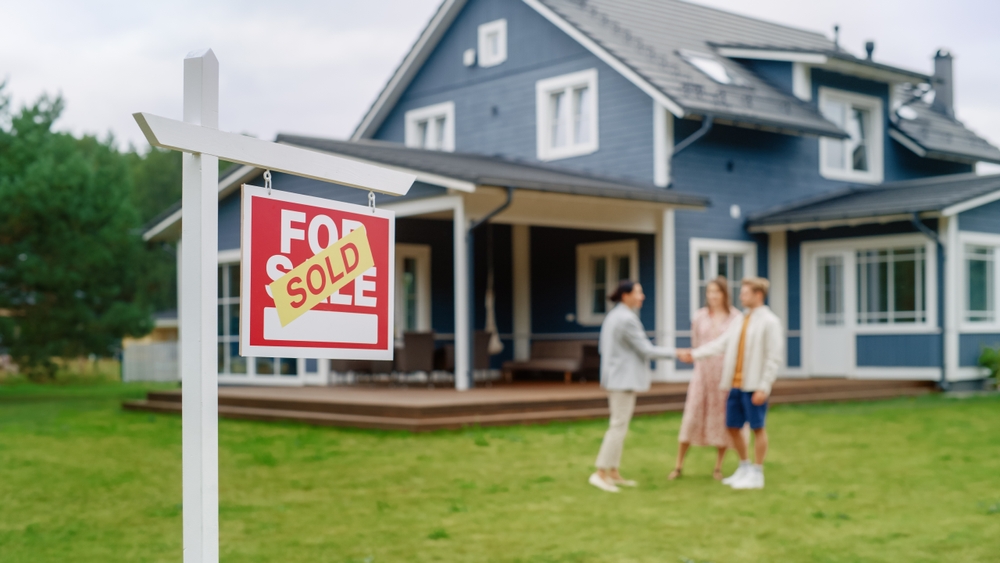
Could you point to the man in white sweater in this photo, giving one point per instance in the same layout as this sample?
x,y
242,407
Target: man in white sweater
x,y
752,351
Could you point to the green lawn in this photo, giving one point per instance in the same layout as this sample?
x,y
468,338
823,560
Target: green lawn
x,y
906,480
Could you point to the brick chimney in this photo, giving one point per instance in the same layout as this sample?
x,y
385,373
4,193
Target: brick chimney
x,y
943,83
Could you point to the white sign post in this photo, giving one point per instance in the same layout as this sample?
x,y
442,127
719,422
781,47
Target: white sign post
x,y
203,144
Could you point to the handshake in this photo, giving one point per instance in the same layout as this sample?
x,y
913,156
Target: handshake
x,y
684,355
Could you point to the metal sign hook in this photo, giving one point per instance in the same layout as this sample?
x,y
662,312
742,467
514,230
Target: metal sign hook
x,y
371,201
267,181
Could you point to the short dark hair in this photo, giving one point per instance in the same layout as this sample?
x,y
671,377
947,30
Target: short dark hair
x,y
624,286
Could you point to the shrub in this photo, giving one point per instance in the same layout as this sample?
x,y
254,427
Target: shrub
x,y
989,358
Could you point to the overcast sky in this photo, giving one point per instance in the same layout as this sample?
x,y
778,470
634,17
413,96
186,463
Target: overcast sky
x,y
314,66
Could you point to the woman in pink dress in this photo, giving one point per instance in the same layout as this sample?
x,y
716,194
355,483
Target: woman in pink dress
x,y
704,422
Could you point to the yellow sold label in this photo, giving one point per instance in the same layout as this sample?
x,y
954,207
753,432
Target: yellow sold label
x,y
312,281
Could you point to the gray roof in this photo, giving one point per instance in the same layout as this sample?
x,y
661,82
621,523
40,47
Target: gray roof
x,y
939,136
648,36
495,171
857,203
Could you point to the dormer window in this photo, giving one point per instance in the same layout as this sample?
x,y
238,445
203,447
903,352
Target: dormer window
x,y
492,43
858,158
713,68
566,113
431,127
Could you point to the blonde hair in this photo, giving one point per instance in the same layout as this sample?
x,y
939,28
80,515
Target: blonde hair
x,y
758,284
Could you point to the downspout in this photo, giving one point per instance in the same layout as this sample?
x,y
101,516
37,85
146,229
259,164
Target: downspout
x,y
706,126
469,249
942,268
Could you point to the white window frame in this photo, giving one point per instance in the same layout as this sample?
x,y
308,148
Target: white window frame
x,y
966,239
585,253
486,58
431,114
876,152
421,253
851,246
566,83
716,246
232,258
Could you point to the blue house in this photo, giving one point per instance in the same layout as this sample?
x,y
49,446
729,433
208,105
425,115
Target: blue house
x,y
561,145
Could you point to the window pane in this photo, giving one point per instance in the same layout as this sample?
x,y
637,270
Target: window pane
x,y
581,116
624,268
493,44
980,285
835,150
904,286
557,110
439,133
234,280
222,320
312,365
873,286
600,270
410,293
222,358
288,366
237,363
234,319
859,136
265,366
221,273
422,134
831,291
737,268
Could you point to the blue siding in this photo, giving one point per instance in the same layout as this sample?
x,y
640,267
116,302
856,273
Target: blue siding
x,y
229,222
983,219
899,350
553,277
503,284
970,346
776,73
495,107
794,352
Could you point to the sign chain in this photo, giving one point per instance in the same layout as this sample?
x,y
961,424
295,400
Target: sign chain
x,y
267,181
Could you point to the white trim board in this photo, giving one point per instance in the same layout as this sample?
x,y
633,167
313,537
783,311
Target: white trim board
x,y
971,204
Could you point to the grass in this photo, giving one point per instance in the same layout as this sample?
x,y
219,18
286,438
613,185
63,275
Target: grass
x,y
905,480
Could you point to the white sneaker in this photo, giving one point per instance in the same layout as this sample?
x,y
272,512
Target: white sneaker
x,y
737,475
625,482
600,483
752,479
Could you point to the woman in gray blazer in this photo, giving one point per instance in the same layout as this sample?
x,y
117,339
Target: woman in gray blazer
x,y
625,356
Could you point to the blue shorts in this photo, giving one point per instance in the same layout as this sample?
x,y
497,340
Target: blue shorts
x,y
740,410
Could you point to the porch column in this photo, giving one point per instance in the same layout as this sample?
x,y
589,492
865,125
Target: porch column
x,y
521,242
459,232
948,229
666,292
777,272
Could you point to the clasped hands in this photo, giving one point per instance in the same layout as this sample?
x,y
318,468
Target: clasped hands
x,y
684,355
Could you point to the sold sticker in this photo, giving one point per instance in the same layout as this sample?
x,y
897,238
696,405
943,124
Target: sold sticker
x,y
313,281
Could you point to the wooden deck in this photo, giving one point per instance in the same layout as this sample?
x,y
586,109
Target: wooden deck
x,y
421,409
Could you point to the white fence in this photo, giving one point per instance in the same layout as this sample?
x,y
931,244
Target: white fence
x,y
155,361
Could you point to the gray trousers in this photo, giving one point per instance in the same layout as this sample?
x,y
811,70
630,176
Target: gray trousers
x,y
622,405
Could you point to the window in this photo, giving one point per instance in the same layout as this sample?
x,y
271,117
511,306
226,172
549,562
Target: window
x,y
858,158
492,43
830,300
980,272
413,288
431,127
731,259
230,361
599,268
566,109
713,68
892,286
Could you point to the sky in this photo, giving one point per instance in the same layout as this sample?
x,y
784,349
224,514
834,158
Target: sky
x,y
313,67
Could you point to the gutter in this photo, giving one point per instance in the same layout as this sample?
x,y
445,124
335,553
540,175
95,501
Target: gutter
x,y
470,238
706,126
929,233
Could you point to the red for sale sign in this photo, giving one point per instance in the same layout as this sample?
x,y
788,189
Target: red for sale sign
x,y
317,278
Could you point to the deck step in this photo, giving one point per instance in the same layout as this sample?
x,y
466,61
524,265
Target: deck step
x,y
375,419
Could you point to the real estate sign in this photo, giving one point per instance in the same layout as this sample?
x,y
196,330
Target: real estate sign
x,y
317,278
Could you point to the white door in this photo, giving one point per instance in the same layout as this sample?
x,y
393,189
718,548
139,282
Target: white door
x,y
830,338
